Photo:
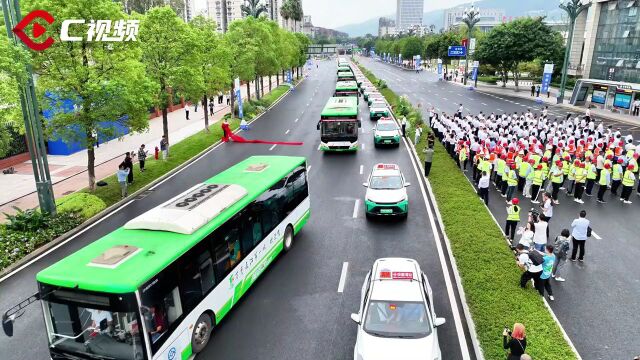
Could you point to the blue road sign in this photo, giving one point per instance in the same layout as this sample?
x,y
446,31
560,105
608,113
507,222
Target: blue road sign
x,y
457,51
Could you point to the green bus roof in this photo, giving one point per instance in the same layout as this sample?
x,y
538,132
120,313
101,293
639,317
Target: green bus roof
x,y
160,248
346,85
341,106
346,74
344,68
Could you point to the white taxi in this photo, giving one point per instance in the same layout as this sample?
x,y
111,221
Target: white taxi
x,y
386,192
396,319
386,132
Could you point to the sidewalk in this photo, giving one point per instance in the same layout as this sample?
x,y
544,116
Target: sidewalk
x,y
69,173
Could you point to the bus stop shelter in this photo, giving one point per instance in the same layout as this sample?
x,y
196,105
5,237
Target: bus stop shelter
x,y
615,96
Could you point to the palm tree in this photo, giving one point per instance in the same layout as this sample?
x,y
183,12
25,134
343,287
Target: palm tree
x,y
253,8
297,13
286,11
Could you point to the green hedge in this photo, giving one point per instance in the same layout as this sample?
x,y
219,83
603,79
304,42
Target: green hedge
x,y
493,80
487,267
28,230
86,205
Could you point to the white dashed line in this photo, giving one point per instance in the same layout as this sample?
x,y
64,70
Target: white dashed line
x,y
362,146
445,99
499,109
517,103
484,104
361,169
595,235
272,147
355,208
308,169
286,132
343,276
296,120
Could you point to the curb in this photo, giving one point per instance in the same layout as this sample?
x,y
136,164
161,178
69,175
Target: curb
x,y
8,271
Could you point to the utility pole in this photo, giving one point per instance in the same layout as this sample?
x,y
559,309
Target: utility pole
x,y
471,18
31,115
573,8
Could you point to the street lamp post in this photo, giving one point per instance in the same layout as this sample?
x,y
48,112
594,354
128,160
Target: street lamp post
x,y
32,124
573,8
471,18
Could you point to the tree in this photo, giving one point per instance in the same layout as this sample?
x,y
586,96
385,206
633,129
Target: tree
x,y
437,46
142,6
167,52
13,61
253,8
297,13
105,81
286,11
245,48
411,47
302,43
522,40
214,60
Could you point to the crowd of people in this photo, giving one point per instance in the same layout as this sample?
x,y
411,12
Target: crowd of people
x,y
532,156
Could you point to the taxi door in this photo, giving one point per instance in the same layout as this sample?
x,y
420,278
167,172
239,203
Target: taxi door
x,y
429,294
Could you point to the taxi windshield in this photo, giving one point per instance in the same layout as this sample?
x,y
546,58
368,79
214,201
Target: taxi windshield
x,y
386,127
397,319
386,182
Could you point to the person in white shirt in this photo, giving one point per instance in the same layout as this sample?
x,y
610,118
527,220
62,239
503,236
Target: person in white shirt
x,y
483,187
540,236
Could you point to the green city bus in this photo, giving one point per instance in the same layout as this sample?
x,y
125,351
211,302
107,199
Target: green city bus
x,y
339,124
344,68
156,287
347,88
347,76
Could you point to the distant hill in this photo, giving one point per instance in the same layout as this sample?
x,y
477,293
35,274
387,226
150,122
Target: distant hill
x,y
512,8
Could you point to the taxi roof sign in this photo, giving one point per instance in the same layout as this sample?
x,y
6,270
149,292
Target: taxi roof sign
x,y
396,275
387,167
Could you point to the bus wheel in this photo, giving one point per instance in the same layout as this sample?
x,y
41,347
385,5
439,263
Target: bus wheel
x,y
201,333
288,238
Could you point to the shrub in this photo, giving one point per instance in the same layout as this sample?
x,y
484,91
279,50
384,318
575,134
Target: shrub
x,y
85,204
493,80
15,244
26,220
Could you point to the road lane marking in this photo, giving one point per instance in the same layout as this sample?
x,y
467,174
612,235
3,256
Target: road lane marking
x,y
362,146
296,120
272,147
445,99
499,109
343,276
517,103
484,104
308,169
355,208
459,94
361,169
595,235
286,132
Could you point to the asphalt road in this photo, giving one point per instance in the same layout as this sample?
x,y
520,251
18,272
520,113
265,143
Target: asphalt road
x,y
598,304
295,310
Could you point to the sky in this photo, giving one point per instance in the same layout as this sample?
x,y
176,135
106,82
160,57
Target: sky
x,y
323,11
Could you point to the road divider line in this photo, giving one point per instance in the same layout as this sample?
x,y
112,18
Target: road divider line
x,y
273,147
308,169
499,109
343,276
362,146
484,104
596,235
286,132
355,208
296,120
361,169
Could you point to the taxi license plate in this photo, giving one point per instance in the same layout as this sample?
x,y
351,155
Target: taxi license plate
x,y
387,141
386,211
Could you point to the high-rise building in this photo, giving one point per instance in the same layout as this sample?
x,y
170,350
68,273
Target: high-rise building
x,y
408,13
215,12
605,42
489,18
189,10
386,26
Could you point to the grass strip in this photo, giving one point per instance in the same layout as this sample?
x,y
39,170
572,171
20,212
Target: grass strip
x,y
487,267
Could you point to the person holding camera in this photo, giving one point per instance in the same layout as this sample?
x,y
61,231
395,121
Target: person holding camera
x,y
515,341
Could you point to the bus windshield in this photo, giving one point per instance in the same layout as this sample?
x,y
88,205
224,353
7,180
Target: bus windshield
x,y
338,128
89,331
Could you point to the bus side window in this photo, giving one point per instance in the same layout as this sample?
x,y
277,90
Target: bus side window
x,y
296,188
251,228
